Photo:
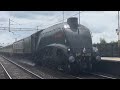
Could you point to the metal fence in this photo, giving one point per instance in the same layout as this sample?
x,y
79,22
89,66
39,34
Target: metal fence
x,y
108,49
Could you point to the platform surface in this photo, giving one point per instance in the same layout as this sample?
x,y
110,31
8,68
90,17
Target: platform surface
x,y
111,58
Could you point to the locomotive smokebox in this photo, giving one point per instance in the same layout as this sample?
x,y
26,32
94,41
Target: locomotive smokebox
x,y
73,23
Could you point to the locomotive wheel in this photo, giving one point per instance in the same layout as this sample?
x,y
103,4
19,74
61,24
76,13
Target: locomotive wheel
x,y
64,67
72,68
59,67
67,68
83,65
86,64
89,66
75,69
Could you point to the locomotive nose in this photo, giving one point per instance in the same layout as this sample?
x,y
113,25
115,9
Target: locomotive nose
x,y
73,23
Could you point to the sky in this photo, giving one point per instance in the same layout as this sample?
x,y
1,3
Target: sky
x,y
102,24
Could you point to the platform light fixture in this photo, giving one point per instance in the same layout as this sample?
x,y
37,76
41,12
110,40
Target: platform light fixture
x,y
118,31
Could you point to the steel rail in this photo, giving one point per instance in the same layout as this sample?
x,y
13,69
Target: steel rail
x,y
23,68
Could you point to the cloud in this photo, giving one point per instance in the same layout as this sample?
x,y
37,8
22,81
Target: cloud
x,y
4,16
3,19
31,14
6,38
101,23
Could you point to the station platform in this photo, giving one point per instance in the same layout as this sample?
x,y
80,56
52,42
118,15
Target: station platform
x,y
109,65
111,58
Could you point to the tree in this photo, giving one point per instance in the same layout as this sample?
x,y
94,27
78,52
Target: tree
x,y
102,41
113,42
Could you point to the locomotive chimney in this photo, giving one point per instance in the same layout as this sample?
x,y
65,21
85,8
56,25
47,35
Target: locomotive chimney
x,y
73,23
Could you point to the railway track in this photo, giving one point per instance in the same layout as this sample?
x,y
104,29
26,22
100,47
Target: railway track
x,y
90,75
45,72
5,73
103,76
84,75
30,73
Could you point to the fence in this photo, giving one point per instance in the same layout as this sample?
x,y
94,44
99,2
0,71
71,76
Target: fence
x,y
108,49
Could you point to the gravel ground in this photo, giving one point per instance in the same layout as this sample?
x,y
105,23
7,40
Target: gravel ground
x,y
2,73
48,73
45,72
42,71
14,71
88,76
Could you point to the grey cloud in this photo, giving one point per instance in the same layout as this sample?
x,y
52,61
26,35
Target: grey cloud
x,y
99,29
31,14
97,22
95,28
3,19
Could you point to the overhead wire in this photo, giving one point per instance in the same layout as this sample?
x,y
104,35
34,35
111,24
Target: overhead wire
x,y
32,29
64,19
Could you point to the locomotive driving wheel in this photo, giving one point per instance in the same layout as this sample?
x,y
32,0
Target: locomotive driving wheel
x,y
83,63
89,64
74,68
86,64
67,68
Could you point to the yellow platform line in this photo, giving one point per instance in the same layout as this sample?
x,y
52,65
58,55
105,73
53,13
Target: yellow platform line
x,y
111,58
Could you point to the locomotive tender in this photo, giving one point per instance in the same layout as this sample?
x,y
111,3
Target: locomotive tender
x,y
66,46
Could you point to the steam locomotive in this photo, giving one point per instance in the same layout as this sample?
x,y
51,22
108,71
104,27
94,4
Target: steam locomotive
x,y
66,46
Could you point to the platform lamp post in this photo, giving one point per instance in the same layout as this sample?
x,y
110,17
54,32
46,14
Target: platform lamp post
x,y
118,33
79,21
63,16
9,24
79,17
15,39
37,28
